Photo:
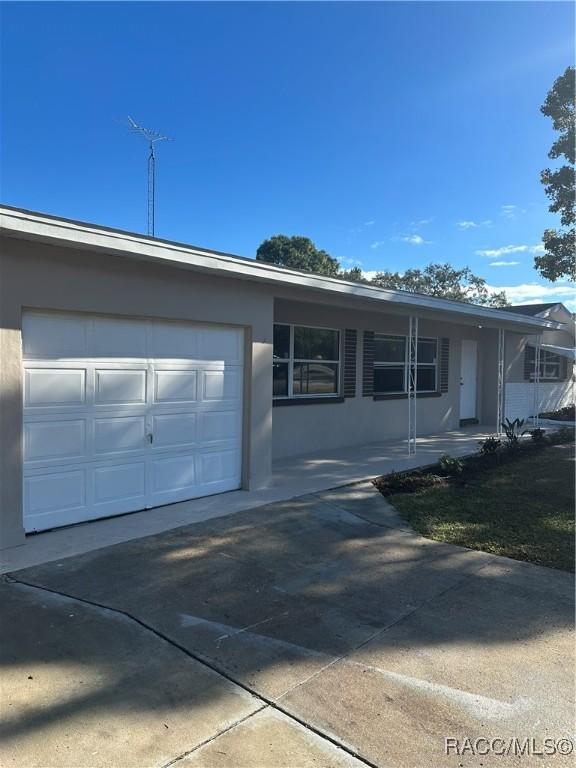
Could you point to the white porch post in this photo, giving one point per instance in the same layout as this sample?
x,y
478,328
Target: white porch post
x,y
536,393
500,385
412,383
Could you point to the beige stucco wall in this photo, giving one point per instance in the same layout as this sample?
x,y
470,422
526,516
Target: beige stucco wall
x,y
34,275
362,419
39,276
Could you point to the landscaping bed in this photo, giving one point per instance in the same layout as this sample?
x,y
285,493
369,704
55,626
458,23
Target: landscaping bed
x,y
517,502
562,414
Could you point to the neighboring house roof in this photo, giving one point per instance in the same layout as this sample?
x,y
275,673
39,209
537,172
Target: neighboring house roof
x,y
30,225
568,352
533,310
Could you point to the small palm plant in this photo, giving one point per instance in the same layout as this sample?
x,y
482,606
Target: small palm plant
x,y
513,431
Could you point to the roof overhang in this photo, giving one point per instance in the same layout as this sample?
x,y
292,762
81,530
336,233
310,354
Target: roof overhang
x,y
568,352
29,225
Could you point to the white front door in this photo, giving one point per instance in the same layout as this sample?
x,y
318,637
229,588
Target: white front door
x,y
468,378
121,415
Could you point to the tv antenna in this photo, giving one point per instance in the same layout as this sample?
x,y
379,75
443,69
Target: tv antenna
x,y
152,137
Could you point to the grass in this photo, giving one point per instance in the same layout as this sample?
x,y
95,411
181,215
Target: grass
x,y
523,509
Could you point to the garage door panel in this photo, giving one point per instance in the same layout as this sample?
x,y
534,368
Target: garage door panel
x,y
221,385
55,491
174,429
219,425
54,387
120,387
120,482
221,344
54,439
116,338
216,467
54,336
117,434
173,473
170,340
175,386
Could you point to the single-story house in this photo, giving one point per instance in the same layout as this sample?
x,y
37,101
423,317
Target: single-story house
x,y
555,387
136,372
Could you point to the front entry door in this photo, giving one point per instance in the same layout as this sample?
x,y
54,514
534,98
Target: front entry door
x,y
468,379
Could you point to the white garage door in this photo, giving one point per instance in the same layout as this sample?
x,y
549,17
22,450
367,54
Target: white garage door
x,y
121,415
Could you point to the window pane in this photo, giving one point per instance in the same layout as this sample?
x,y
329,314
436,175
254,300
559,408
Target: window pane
x,y
315,344
427,351
388,379
315,379
550,371
389,349
280,379
426,379
281,342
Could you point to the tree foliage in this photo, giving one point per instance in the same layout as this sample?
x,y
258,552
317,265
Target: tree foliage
x,y
439,280
297,253
443,281
558,259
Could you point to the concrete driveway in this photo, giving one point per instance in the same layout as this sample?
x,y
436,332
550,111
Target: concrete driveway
x,y
314,632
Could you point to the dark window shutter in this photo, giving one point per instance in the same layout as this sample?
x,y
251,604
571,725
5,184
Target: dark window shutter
x,y
444,364
368,364
563,368
350,342
529,357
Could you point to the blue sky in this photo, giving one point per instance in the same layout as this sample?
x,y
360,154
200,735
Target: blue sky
x,y
392,134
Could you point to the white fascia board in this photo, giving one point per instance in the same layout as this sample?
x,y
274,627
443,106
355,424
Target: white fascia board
x,y
29,225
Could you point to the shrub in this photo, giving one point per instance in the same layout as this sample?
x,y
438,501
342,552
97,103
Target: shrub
x,y
489,446
450,465
563,435
562,414
513,433
537,435
397,482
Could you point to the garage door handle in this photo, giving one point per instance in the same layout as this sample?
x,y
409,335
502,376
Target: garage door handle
x,y
150,437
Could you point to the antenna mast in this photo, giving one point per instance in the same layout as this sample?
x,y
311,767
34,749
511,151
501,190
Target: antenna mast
x,y
152,137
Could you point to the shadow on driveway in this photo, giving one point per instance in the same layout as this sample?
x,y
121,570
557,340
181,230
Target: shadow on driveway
x,y
370,633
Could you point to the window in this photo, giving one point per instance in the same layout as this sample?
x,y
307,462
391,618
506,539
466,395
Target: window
x,y
306,361
550,364
391,365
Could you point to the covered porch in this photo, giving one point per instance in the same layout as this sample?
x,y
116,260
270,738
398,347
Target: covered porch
x,y
291,478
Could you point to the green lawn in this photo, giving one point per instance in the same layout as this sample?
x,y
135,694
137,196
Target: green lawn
x,y
523,509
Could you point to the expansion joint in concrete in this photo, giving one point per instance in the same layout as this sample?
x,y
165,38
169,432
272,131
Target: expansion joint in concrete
x,y
265,701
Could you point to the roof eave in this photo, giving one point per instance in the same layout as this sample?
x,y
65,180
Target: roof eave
x,y
34,226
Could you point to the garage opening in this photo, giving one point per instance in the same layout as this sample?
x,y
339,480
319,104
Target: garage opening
x,y
123,414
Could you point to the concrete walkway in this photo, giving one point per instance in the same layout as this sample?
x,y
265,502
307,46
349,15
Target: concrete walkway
x,y
320,632
291,478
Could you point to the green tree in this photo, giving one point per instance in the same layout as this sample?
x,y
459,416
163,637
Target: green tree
x,y
443,281
558,259
297,253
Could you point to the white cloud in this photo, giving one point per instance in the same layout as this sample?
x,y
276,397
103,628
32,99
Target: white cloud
x,y
346,262
504,263
422,222
495,253
510,211
377,244
413,239
474,224
537,293
370,274
360,228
